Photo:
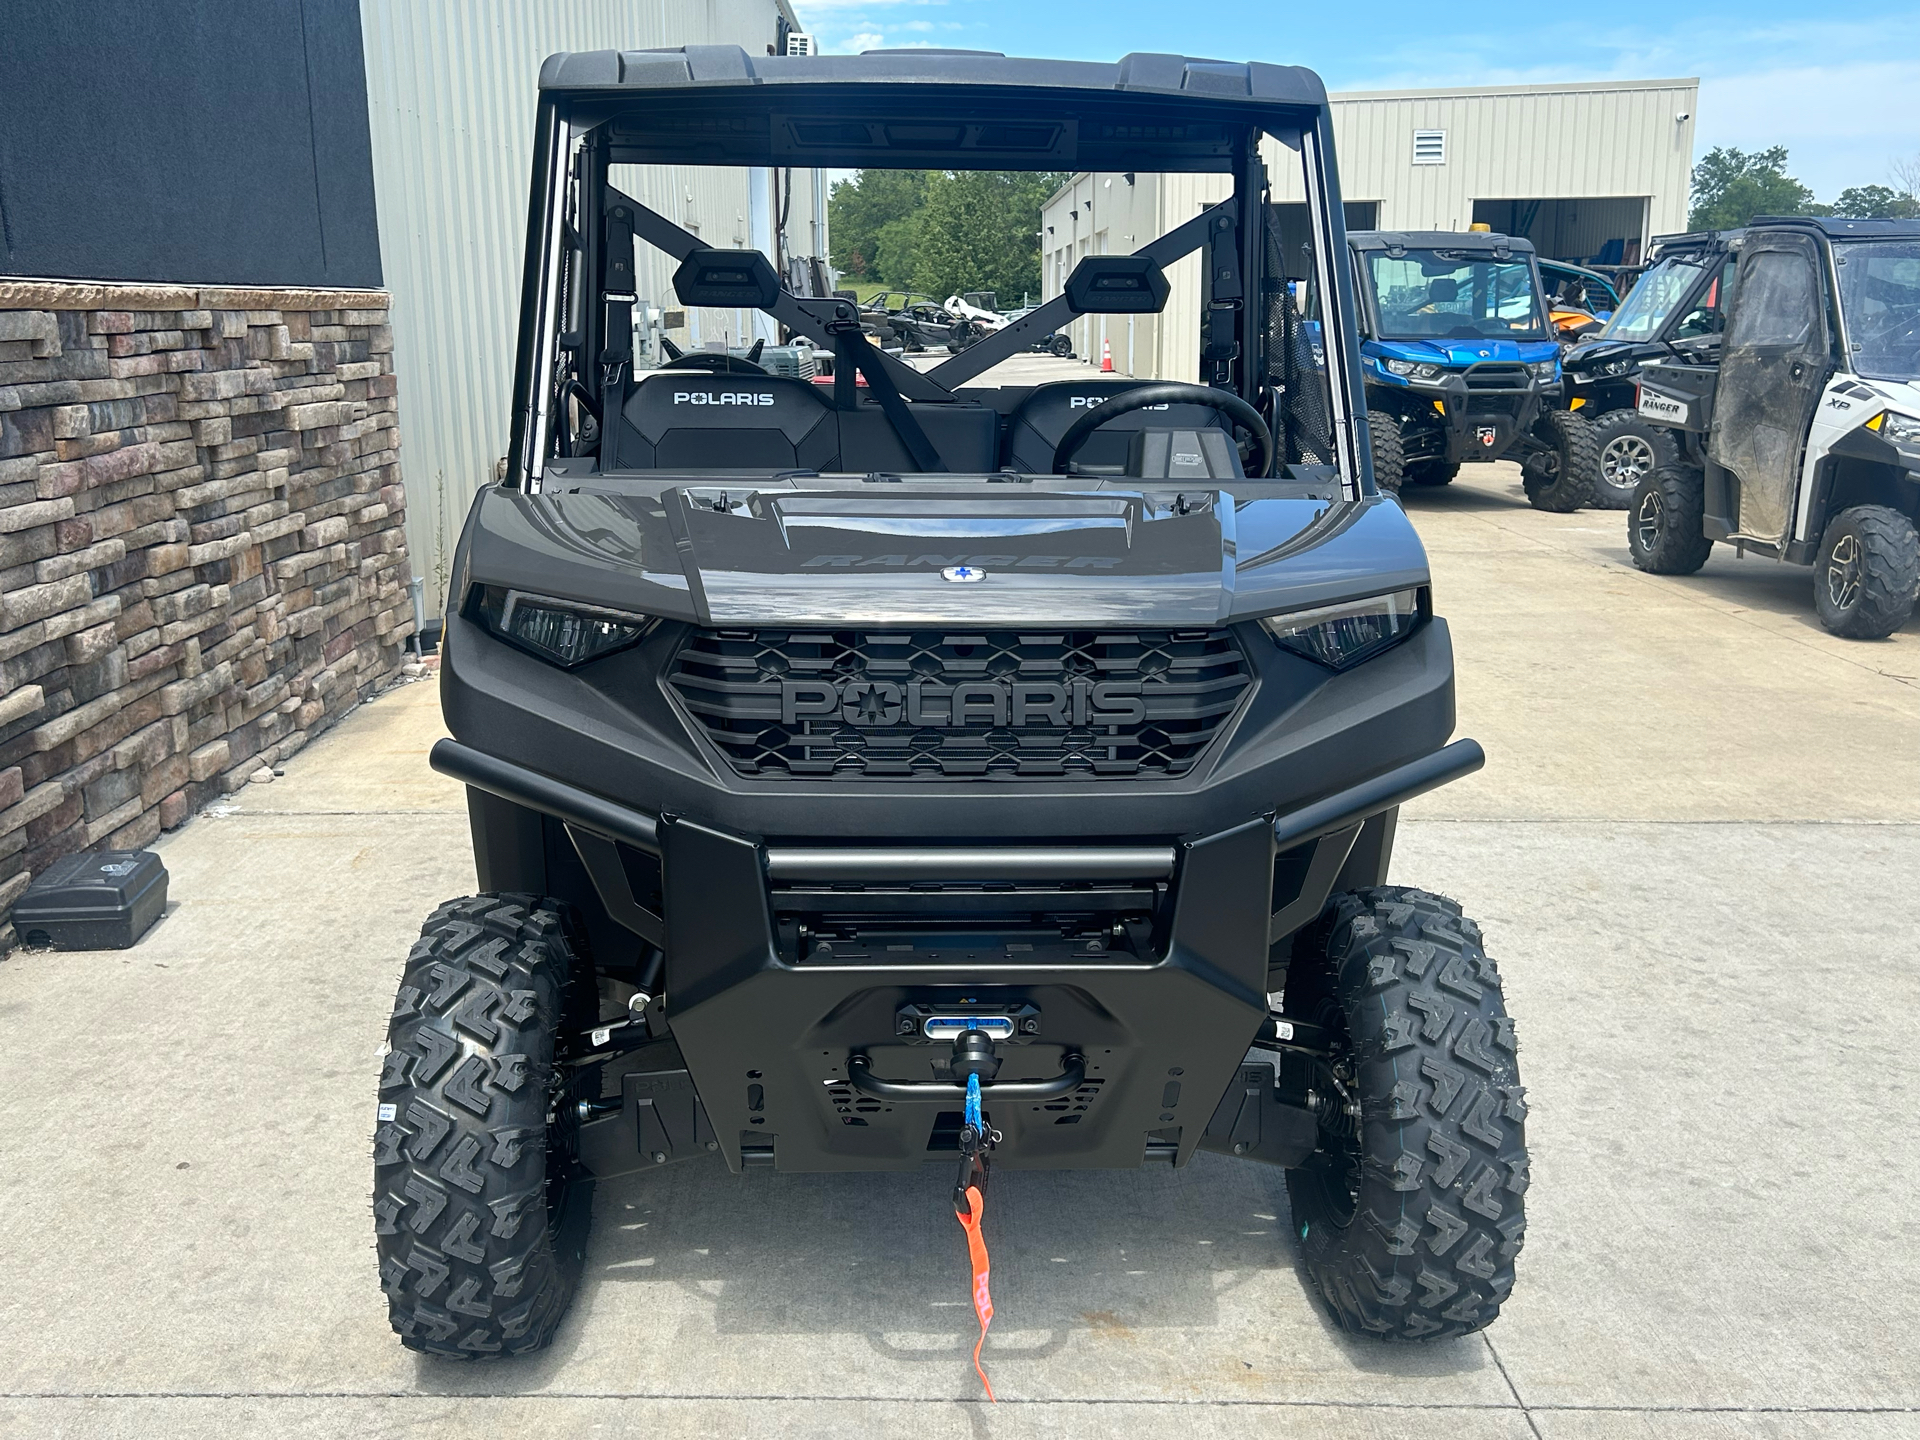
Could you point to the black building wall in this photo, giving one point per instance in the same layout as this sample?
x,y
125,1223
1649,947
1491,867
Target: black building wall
x,y
219,142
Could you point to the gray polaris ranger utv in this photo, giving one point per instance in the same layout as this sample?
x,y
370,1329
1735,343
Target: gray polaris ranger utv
x,y
910,767
1798,438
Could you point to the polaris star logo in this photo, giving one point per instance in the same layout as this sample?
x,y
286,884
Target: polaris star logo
x,y
722,397
928,704
963,574
947,564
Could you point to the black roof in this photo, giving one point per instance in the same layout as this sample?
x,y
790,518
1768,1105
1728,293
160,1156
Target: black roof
x,y
929,109
1838,229
1487,240
600,71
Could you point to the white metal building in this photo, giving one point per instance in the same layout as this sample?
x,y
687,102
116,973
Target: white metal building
x,y
451,96
1587,172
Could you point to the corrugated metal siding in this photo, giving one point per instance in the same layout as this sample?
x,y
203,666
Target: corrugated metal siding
x,y
450,97
1563,142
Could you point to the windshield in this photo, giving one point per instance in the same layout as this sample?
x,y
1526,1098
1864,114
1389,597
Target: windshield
x,y
1650,302
1880,297
1445,294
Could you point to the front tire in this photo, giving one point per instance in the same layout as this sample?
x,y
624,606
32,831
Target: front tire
x,y
480,1205
1389,454
1560,478
1629,450
1864,578
1411,1214
1060,345
1666,521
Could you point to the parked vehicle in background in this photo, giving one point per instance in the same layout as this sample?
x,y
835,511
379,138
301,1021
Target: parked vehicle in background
x,y
1461,363
912,322
1574,287
1801,439
973,319
1057,343
1675,311
1579,300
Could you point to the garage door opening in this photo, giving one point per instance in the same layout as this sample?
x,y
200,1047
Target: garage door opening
x,y
1594,231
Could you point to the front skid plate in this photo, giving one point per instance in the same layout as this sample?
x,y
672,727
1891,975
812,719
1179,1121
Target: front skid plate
x,y
767,1042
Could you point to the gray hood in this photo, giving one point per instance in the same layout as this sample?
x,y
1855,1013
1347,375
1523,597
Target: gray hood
x,y
717,554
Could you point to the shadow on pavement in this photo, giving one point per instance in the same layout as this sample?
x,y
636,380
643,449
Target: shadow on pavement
x,y
880,1257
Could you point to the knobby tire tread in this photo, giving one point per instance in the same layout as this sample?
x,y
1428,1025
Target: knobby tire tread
x,y
1429,1251
473,1260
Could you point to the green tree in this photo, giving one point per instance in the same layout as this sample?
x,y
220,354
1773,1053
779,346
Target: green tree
x,y
1876,202
896,251
980,230
860,208
1732,186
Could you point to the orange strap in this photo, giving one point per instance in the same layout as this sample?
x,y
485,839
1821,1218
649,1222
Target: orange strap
x,y
982,1299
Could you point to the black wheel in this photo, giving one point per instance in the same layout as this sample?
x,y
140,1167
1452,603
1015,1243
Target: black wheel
x,y
1560,478
1665,522
1864,578
1411,1213
1060,345
1389,457
1630,449
1432,472
480,1205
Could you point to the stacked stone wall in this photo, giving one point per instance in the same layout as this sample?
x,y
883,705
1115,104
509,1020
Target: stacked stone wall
x,y
202,561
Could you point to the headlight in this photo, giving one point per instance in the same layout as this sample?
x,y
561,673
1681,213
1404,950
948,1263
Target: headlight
x,y
1413,369
1544,369
1615,367
1339,636
1901,429
562,631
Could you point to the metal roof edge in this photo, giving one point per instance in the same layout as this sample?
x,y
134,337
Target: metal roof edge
x,y
1569,87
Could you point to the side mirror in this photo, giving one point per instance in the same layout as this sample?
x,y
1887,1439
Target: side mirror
x,y
726,280
1117,285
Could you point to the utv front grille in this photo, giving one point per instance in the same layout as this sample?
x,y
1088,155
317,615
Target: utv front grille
x,y
948,705
1498,375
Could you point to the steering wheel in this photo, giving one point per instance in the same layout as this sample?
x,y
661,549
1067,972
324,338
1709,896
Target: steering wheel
x,y
715,363
1168,393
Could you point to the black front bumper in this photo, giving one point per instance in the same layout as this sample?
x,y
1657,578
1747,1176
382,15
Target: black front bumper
x,y
794,973
1139,923
1483,417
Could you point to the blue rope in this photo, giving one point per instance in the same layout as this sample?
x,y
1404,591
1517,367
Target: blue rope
x,y
973,1103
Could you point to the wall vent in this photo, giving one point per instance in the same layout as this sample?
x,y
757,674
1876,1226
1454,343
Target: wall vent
x,y
799,44
1429,147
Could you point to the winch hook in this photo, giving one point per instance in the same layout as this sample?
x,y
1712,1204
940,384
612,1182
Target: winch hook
x,y
973,1057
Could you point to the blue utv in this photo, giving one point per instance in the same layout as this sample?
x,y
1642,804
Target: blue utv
x,y
1461,363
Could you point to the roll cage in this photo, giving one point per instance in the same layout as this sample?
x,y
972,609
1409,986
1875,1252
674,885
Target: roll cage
x,y
717,105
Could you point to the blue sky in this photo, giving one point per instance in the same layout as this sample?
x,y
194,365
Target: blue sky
x,y
1840,90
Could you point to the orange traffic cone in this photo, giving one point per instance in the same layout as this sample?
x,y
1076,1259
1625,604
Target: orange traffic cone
x,y
1106,357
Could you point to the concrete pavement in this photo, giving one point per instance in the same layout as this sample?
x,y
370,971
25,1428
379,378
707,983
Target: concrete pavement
x,y
1693,851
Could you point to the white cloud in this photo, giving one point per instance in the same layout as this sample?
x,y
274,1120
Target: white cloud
x,y
844,26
